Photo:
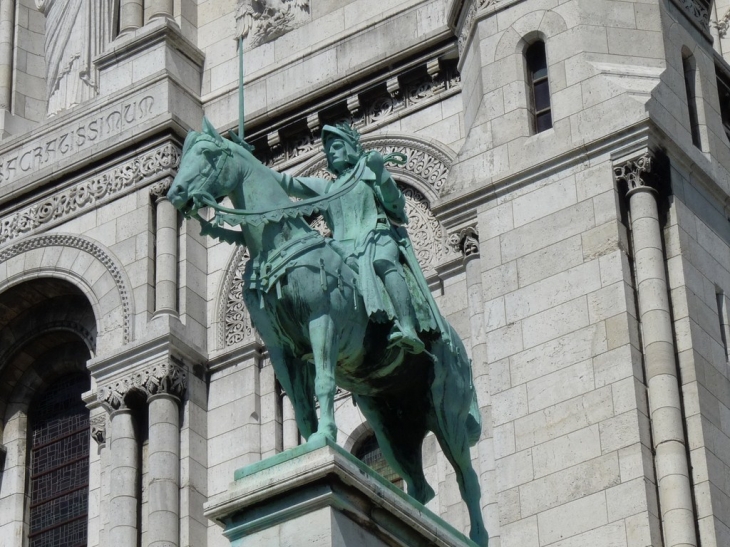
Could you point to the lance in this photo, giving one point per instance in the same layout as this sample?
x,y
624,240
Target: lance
x,y
240,88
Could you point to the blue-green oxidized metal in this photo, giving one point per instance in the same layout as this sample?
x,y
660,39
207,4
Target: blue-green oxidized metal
x,y
353,310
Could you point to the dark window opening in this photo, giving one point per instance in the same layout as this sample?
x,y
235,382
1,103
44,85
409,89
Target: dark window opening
x,y
369,453
540,87
59,465
723,91
690,79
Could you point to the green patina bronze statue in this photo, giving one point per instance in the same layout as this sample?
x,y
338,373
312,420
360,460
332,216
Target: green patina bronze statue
x,y
353,310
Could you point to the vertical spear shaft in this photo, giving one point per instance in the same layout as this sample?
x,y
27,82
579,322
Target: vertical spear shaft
x,y
240,88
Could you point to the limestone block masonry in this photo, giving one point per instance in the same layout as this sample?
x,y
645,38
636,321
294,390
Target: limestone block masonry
x,y
570,213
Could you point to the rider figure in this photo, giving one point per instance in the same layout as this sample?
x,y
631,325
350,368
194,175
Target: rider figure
x,y
364,224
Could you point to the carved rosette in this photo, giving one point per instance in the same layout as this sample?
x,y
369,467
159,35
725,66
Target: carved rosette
x,y
98,429
163,377
465,242
634,173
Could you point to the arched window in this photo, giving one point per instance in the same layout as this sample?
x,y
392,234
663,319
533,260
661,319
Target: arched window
x,y
59,465
368,451
690,88
537,71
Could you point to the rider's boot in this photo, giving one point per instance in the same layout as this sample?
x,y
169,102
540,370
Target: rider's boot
x,y
404,331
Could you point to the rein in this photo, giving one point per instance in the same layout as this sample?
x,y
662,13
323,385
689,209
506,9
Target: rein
x,y
236,217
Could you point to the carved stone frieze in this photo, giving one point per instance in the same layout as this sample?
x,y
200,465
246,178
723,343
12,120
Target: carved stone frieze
x,y
465,241
699,10
375,109
237,323
90,193
89,247
98,429
261,21
634,173
164,377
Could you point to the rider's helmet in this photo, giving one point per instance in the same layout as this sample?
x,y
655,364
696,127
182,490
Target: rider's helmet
x,y
350,137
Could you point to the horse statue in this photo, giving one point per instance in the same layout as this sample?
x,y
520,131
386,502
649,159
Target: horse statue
x,y
303,299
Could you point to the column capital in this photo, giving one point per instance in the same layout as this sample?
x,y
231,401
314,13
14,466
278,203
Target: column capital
x,y
465,241
636,173
158,191
162,377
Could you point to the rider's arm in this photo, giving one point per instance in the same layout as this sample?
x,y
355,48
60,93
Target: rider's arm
x,y
390,196
301,187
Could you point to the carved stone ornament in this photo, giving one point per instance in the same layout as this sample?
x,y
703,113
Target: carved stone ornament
x,y
90,193
159,189
159,378
89,247
261,21
699,10
465,241
634,172
98,429
723,24
475,6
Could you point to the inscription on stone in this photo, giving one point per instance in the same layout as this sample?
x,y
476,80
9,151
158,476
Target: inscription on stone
x,y
82,134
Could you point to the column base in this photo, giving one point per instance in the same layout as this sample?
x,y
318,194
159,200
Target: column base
x,y
319,495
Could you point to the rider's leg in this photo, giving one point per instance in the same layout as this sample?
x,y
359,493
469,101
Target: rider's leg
x,y
393,277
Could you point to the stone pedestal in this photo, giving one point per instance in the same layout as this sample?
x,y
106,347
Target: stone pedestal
x,y
319,495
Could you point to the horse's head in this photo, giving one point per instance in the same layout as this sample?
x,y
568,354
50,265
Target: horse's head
x,y
206,171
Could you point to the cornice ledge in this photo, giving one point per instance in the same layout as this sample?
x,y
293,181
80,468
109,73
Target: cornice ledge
x,y
458,208
162,30
143,353
231,356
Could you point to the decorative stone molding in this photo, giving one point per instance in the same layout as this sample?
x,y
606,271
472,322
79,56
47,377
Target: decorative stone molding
x,y
159,189
89,247
98,429
634,173
90,193
465,241
261,21
475,6
164,377
698,10
236,324
386,101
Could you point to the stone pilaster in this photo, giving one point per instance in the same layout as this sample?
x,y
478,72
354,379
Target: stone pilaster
x,y
161,8
291,431
672,470
7,32
124,475
131,15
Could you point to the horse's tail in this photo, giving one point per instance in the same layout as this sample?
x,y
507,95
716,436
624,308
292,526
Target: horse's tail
x,y
474,420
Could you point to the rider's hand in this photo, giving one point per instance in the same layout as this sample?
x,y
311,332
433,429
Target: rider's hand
x,y
376,163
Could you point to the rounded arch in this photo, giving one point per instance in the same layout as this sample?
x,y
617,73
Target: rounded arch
x,y
85,263
356,438
537,25
232,323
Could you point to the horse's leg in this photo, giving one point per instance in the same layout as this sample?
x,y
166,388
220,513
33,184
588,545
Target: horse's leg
x,y
295,377
325,347
401,444
451,397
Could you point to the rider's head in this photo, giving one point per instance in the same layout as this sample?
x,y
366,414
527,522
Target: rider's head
x,y
342,146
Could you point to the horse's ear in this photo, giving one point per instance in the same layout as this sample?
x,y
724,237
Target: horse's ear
x,y
209,130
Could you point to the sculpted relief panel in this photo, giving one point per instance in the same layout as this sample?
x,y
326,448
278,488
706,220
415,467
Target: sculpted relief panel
x,y
76,32
261,21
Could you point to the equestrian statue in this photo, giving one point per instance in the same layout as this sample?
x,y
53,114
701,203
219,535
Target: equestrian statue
x,y
352,310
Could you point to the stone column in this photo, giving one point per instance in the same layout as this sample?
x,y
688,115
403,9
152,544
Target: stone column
x,y
166,249
131,15
123,510
7,32
161,8
291,431
167,383
672,470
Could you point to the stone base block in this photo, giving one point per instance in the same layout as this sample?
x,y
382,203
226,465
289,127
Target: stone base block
x,y
319,495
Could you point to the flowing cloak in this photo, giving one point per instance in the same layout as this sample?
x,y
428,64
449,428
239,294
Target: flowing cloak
x,y
358,220
76,32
